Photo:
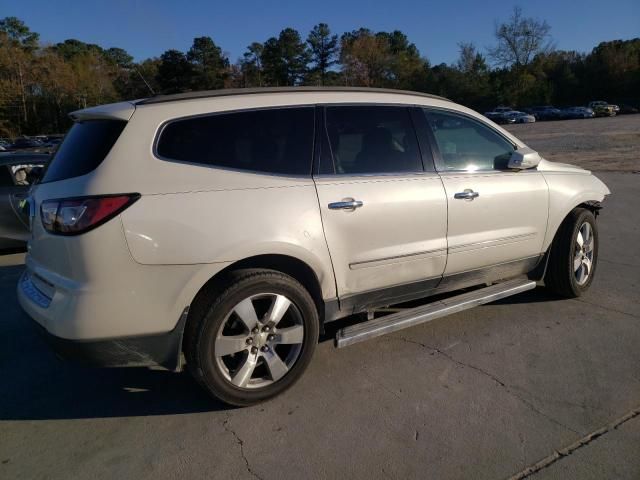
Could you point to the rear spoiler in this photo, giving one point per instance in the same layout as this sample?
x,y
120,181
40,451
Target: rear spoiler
x,y
111,111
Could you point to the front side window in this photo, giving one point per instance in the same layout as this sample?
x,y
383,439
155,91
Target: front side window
x,y
372,139
276,141
466,144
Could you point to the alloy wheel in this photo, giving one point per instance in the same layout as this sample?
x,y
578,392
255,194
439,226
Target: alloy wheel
x,y
583,257
259,341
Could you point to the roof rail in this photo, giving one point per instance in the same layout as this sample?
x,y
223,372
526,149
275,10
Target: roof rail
x,y
252,91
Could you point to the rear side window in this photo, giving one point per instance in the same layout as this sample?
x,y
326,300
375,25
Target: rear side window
x,y
372,139
276,141
83,149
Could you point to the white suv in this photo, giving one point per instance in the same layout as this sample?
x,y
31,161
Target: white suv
x,y
226,228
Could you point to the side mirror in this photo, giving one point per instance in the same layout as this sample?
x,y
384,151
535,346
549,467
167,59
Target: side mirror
x,y
524,158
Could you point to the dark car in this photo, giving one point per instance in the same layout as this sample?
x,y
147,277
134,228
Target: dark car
x,y
24,142
18,171
545,112
576,112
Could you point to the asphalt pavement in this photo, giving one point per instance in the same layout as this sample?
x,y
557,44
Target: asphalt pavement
x,y
532,386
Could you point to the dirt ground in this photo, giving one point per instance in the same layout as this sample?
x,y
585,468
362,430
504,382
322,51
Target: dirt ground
x,y
598,144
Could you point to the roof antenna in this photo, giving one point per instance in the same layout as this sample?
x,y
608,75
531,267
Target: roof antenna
x,y
145,82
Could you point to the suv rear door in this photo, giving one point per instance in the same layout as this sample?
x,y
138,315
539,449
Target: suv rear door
x,y
497,217
384,214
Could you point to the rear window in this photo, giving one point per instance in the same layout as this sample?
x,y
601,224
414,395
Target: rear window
x,y
276,141
83,149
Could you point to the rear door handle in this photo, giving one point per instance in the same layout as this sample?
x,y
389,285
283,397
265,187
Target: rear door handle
x,y
346,204
468,194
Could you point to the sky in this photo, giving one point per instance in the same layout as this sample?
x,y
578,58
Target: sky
x,y
146,28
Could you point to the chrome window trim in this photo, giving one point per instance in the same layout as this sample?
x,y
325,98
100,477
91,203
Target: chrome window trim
x,y
437,157
406,106
163,125
328,176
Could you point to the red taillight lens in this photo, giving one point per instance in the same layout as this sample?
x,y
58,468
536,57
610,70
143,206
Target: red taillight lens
x,y
73,216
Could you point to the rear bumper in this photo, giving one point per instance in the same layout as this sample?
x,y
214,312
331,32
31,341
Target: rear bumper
x,y
162,349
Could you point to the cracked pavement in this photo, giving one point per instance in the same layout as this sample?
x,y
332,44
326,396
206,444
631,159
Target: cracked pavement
x,y
531,387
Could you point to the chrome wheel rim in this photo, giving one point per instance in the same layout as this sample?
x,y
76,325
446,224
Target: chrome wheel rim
x,y
583,257
259,341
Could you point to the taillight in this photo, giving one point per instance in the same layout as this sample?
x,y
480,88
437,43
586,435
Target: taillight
x,y
72,216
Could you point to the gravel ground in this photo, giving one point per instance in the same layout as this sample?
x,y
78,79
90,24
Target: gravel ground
x,y
598,144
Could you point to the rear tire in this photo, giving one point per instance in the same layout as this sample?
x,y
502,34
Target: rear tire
x,y
574,255
255,338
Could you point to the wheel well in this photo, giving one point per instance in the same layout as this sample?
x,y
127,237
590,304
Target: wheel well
x,y
539,272
592,205
291,266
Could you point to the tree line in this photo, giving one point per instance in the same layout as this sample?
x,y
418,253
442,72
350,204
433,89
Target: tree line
x,y
40,84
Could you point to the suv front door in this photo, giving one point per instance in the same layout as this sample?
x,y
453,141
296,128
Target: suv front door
x,y
497,217
384,214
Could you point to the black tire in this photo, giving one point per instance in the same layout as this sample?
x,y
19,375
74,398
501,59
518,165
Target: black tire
x,y
211,313
560,277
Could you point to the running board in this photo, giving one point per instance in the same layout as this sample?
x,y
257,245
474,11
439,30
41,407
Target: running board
x,y
425,313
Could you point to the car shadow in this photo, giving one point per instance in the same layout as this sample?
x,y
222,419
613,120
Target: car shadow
x,y
39,386
36,385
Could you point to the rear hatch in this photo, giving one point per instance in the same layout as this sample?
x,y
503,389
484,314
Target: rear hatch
x,y
69,175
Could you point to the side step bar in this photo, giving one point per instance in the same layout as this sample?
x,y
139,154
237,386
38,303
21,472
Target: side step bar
x,y
425,313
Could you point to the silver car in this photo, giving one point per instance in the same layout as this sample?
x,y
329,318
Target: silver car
x,y
225,229
17,172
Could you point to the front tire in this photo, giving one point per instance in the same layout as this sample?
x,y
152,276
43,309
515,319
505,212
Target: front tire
x,y
574,255
255,339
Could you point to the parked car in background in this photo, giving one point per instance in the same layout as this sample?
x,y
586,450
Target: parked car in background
x,y
625,108
499,115
520,117
576,112
603,109
546,112
22,143
18,171
232,225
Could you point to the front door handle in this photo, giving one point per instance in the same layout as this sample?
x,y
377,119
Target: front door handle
x,y
346,204
468,194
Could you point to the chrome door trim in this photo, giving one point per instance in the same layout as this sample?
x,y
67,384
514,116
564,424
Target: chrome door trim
x,y
492,243
438,252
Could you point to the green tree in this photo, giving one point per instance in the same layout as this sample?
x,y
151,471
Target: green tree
x,y
175,72
251,66
284,59
382,59
210,65
18,33
612,71
72,48
119,57
323,51
139,80
472,86
365,58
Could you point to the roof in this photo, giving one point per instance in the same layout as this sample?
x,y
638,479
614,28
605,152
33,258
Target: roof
x,y
252,91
